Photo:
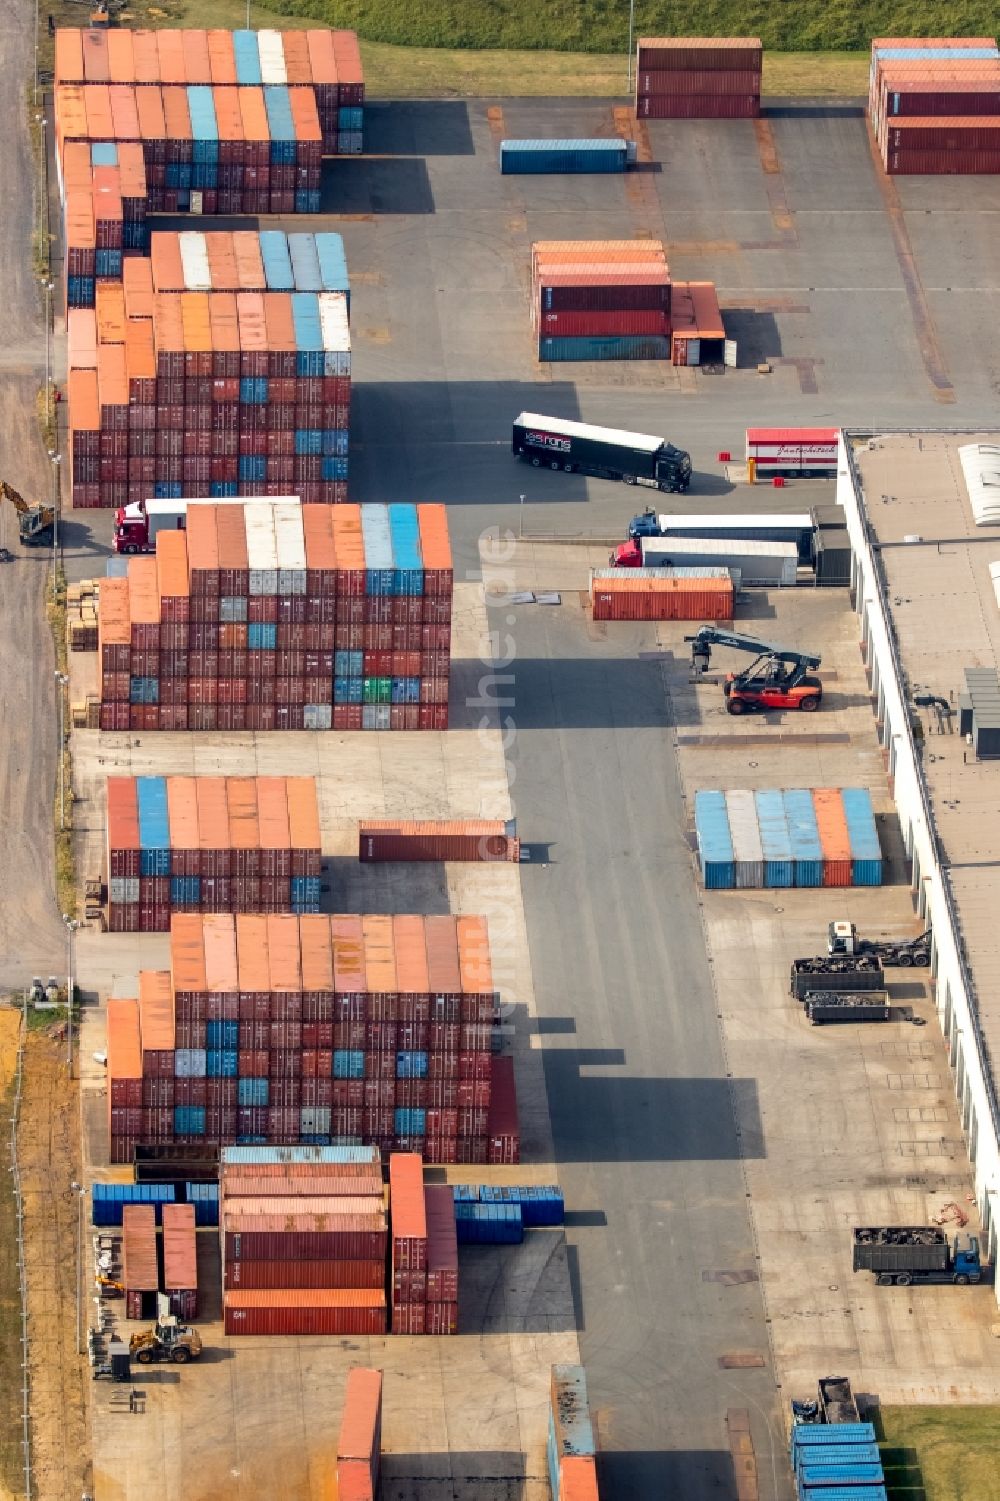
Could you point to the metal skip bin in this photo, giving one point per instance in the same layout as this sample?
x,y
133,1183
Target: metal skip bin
x,y
748,854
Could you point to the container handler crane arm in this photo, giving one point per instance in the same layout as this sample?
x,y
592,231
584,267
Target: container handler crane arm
x,y
778,678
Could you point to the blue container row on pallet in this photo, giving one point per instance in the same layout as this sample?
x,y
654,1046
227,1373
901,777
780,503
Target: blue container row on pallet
x,y
537,157
792,837
539,1205
837,1462
109,1199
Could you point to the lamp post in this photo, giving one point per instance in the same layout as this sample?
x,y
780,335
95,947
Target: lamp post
x,y
61,682
55,459
520,517
49,286
71,927
81,1194
631,30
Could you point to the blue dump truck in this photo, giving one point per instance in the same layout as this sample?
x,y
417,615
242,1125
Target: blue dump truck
x,y
904,1254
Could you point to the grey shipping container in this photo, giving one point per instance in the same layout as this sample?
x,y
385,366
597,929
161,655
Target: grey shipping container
x,y
832,558
766,563
741,809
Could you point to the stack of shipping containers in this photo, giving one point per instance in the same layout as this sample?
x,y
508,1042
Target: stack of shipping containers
x,y
271,615
274,76
934,104
286,1029
210,844
571,1450
359,1446
304,1237
799,837
180,1260
698,78
424,1245
105,219
837,1459
600,300
207,393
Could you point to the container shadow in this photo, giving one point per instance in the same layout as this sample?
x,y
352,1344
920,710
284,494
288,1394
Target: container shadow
x,y
390,886
484,1475
209,1277
674,1472
207,222
77,537
420,127
567,693
375,185
757,336
813,109
608,1118
523,1289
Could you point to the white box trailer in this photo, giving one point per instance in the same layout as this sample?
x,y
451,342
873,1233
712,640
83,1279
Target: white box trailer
x,y
762,526
773,564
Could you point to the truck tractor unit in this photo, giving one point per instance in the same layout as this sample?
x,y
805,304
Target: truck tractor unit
x,y
779,677
914,953
905,1254
137,524
606,452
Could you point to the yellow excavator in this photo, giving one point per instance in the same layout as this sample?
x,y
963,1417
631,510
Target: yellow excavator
x,y
35,524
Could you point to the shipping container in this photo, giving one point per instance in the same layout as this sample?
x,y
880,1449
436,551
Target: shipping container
x,y
482,839
834,837
866,852
341,1311
360,1439
594,156
748,857
139,1267
776,844
766,563
660,594
803,832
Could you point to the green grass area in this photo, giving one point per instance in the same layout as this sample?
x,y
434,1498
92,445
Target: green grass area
x,y
941,1453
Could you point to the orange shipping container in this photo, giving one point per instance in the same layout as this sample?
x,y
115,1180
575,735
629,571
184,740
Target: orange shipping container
x,y
123,814
241,802
197,60
411,955
139,1269
156,1011
165,261
228,118
95,55
172,565
834,837
254,115
69,56
145,57
213,822
170,46
77,172
225,340
187,944
180,1248
317,960
176,112
121,59
124,111
140,358
197,323
221,261
109,309
149,108
203,548
100,122
295,47
321,554
138,283
253,331
578,1478
113,620
272,808
321,57
132,169
631,595
251,953
303,814
81,337
359,1445
474,956
380,959
348,954
221,57
283,953
144,600
249,265
443,968
182,821
124,1052
305,116
408,1211
221,971
71,112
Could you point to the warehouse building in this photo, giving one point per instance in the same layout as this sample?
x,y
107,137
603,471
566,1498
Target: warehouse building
x,y
921,510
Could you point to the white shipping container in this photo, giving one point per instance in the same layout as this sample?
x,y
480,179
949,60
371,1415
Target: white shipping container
x,y
766,563
272,57
336,333
748,854
262,548
314,1120
124,890
190,1063
194,261
291,549
317,717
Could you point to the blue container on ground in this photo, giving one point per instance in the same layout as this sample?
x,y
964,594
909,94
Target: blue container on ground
x,y
333,265
154,827
803,831
205,1198
109,1199
189,1120
866,852
835,1455
348,1063
586,347
309,357
247,57
103,154
935,54
378,550
539,1206
253,1092
593,155
262,635
775,842
408,562
305,263
822,1435
815,1479
276,261
715,843
489,1224
860,1492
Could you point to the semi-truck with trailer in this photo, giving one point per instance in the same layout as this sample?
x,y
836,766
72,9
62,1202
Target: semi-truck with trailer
x,y
902,1254
137,524
762,526
606,452
760,562
909,953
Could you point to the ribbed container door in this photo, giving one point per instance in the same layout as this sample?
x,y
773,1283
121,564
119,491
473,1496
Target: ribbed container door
x,y
748,855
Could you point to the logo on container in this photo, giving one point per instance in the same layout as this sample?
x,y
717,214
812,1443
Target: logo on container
x,y
549,440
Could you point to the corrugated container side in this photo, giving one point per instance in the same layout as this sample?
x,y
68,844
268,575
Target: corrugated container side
x,y
834,837
866,852
779,865
139,1269
741,808
807,849
715,843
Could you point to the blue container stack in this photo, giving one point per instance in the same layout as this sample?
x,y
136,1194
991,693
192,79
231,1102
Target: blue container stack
x,y
715,843
489,1224
537,157
790,840
539,1205
205,1198
109,1199
837,1460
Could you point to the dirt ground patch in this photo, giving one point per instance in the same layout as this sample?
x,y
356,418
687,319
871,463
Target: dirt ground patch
x,y
10,1299
49,1156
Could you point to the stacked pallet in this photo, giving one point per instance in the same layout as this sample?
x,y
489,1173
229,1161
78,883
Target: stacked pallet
x,y
285,1029
210,844
934,104
600,300
698,78
180,1260
359,1446
217,394
271,615
571,1449
424,1248
104,189
81,615
248,261
303,1240
318,68
823,836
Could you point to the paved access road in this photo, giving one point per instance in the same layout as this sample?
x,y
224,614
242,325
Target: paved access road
x,y
642,1114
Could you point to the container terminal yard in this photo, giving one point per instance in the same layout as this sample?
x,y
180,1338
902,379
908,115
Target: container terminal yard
x,y
526,651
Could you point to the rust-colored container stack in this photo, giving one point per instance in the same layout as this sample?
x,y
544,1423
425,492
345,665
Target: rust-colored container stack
x,y
698,78
140,1272
287,1030
210,844
600,300
221,114
934,104
359,1446
474,839
211,393
271,615
304,1240
441,1311
655,594
424,1268
180,1260
104,190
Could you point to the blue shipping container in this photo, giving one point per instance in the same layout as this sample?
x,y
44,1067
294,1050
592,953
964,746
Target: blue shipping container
x,y
189,1120
305,263
247,56
204,126
866,852
715,843
410,1121
308,334
816,1478
489,1224
344,1153
936,54
411,1065
334,441
185,891
803,831
595,155
806,1435
604,347
221,1063
348,1064
861,1491
348,690
779,867
836,1455
251,1092
539,1205
280,124
334,469
262,635
276,261
333,264
103,154
222,1034
408,569
378,549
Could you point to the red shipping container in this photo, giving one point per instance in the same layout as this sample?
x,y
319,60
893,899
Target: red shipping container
x,y
504,1132
305,1311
